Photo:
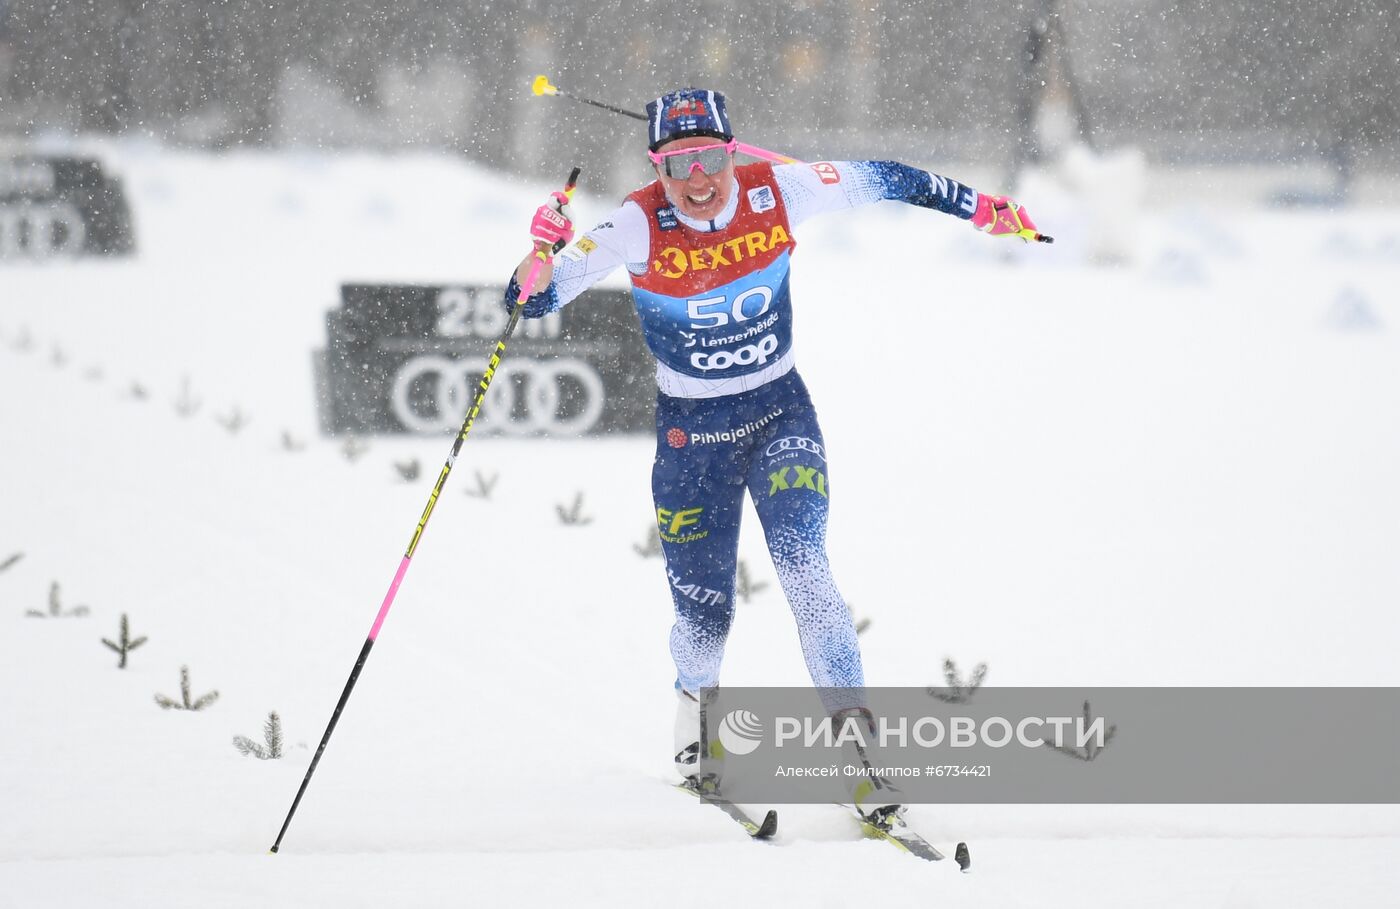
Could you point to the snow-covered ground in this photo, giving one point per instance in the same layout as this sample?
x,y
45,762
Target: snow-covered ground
x,y
1178,471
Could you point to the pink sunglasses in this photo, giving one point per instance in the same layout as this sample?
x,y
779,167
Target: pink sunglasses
x,y
681,163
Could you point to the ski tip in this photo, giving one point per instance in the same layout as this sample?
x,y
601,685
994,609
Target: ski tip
x,y
769,828
963,858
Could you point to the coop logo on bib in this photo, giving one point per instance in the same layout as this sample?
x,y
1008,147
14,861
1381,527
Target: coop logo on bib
x,y
748,355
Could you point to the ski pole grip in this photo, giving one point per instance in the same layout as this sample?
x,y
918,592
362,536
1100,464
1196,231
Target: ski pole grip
x,y
569,192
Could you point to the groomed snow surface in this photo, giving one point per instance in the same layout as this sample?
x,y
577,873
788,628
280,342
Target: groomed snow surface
x,y
1180,470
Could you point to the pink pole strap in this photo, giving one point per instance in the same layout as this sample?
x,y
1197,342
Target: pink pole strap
x,y
530,278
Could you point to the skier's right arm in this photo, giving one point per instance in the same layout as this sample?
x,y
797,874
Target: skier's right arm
x,y
621,238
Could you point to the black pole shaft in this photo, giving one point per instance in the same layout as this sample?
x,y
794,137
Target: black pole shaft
x,y
325,738
608,107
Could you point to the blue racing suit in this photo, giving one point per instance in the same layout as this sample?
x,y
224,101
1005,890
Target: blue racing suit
x,y
732,413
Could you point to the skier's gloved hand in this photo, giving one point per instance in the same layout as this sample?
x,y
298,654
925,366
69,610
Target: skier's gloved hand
x,y
1003,217
553,226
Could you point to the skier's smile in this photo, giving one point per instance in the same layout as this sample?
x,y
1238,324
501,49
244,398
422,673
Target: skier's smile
x,y
700,195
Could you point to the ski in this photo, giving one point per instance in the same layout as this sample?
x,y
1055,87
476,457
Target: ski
x,y
759,830
892,828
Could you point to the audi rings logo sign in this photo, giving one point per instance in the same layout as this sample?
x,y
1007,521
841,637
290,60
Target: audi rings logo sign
x,y
45,230
60,208
409,359
432,394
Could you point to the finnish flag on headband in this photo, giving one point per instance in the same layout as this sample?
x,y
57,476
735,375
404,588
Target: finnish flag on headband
x,y
687,112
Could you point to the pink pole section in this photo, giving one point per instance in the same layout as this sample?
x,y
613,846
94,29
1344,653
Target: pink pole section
x,y
403,564
408,557
530,279
754,151
389,598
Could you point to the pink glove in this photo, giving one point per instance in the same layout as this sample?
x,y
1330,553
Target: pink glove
x,y
553,224
1001,217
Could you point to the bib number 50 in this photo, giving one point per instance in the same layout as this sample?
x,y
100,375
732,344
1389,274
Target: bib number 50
x,y
716,312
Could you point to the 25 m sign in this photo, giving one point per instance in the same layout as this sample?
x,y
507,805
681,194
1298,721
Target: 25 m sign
x,y
407,359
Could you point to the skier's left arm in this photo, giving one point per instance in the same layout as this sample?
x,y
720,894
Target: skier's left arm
x,y
812,189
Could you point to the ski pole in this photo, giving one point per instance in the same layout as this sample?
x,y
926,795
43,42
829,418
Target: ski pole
x,y
542,256
541,87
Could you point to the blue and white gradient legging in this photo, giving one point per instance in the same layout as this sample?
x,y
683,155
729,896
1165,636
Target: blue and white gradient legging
x,y
708,452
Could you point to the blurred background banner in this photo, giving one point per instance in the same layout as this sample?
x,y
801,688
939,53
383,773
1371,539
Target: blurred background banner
x,y
406,359
1188,81
61,207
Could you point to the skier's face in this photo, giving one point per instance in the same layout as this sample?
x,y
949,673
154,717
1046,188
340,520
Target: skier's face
x,y
699,195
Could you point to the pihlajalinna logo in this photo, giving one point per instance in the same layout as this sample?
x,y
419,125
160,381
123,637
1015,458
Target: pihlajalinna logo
x,y
740,732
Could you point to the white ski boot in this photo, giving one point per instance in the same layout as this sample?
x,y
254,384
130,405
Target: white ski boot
x,y
689,734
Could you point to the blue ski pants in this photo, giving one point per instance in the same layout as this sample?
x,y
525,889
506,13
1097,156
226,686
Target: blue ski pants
x,y
710,451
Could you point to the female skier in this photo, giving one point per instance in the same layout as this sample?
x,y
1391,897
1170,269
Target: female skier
x,y
708,246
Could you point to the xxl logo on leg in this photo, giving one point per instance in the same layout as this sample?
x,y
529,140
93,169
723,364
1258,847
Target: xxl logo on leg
x,y
797,477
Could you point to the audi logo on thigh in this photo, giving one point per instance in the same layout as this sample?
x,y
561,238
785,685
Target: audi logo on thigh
x,y
556,397
41,231
795,443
